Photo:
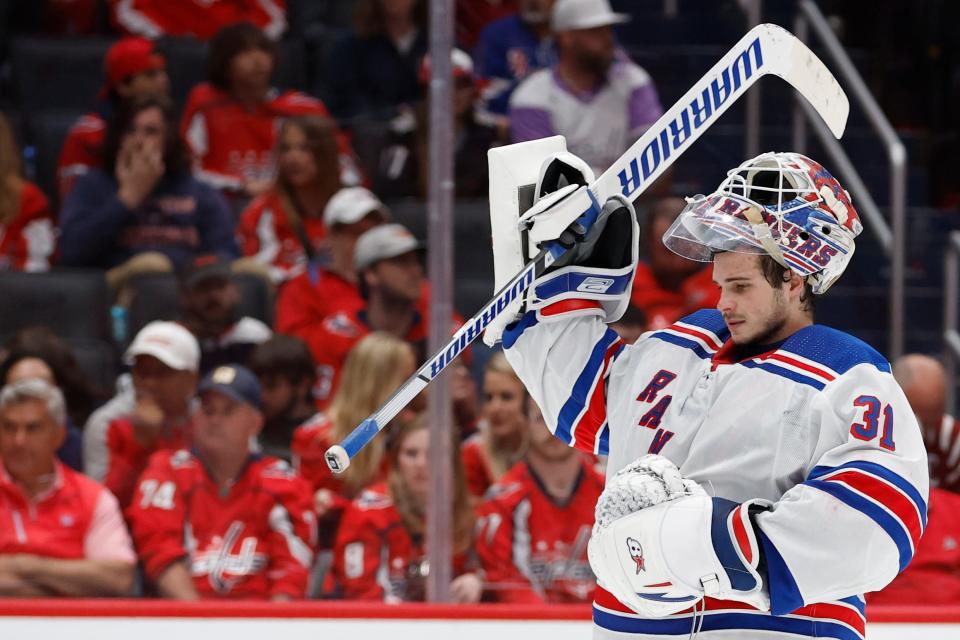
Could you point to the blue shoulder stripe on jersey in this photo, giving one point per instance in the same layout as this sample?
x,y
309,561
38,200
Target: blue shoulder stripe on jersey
x,y
817,628
857,601
879,470
709,319
740,577
784,592
683,342
513,331
835,349
785,373
578,396
603,440
878,514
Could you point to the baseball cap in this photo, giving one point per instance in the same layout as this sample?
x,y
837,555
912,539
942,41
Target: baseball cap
x,y
234,381
203,266
128,57
459,59
382,242
352,204
168,342
584,14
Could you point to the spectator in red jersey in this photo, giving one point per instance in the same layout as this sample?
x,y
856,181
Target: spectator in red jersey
x,y
504,432
924,382
143,212
536,521
374,69
667,287
24,367
230,121
375,368
198,18
62,533
283,229
380,552
933,577
134,71
305,301
27,240
285,369
164,358
210,300
219,521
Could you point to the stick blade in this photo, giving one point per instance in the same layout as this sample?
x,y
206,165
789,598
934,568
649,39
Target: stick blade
x,y
798,65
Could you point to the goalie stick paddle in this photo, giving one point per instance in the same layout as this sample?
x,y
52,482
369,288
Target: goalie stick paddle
x,y
765,50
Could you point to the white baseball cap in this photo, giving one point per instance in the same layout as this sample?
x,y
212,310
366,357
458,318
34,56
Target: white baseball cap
x,y
382,242
584,14
168,342
352,204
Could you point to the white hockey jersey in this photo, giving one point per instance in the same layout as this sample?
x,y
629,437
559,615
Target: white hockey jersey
x,y
818,426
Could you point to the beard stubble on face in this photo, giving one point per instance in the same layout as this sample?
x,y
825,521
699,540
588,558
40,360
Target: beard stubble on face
x,y
770,325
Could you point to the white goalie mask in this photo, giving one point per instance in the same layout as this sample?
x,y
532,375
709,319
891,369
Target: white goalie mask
x,y
784,205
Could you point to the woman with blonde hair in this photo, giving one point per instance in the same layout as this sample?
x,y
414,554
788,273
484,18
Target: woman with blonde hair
x,y
283,228
380,554
503,434
373,370
26,225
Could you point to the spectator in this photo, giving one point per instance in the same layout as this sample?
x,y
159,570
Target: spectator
x,y
375,368
27,367
473,15
380,553
143,212
284,367
403,169
667,287
463,388
219,521
283,228
211,311
27,240
63,534
510,49
307,300
230,121
594,96
924,382
134,71
503,434
389,263
536,521
164,358
198,18
374,70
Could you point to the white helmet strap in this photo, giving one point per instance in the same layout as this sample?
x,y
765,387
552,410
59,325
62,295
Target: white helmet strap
x,y
762,233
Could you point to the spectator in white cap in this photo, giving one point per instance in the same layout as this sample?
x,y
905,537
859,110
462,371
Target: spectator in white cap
x,y
164,359
283,229
306,300
594,95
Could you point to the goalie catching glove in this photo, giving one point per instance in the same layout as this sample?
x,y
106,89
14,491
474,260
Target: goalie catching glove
x,y
595,276
660,543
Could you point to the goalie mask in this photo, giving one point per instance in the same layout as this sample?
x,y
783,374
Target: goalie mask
x,y
784,205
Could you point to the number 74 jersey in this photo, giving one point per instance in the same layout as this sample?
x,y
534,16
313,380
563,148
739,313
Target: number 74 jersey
x,y
817,425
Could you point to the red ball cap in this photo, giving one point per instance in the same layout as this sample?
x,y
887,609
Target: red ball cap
x,y
128,57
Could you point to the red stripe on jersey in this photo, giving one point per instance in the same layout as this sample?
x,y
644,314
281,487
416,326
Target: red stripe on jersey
x,y
712,342
740,532
887,495
566,306
586,429
802,365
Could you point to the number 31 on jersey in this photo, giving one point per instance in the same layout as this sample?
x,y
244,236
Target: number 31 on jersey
x,y
870,426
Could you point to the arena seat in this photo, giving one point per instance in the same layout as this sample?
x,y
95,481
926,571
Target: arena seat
x,y
57,73
74,303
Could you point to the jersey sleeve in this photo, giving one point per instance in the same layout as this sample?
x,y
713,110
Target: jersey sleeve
x,y
292,538
126,459
360,556
853,524
566,367
157,516
499,550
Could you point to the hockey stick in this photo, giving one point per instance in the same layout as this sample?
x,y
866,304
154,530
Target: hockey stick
x,y
765,50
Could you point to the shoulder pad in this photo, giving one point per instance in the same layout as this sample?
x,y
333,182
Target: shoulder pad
x,y
834,350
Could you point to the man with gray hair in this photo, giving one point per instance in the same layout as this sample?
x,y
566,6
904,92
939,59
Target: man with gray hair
x,y
61,533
